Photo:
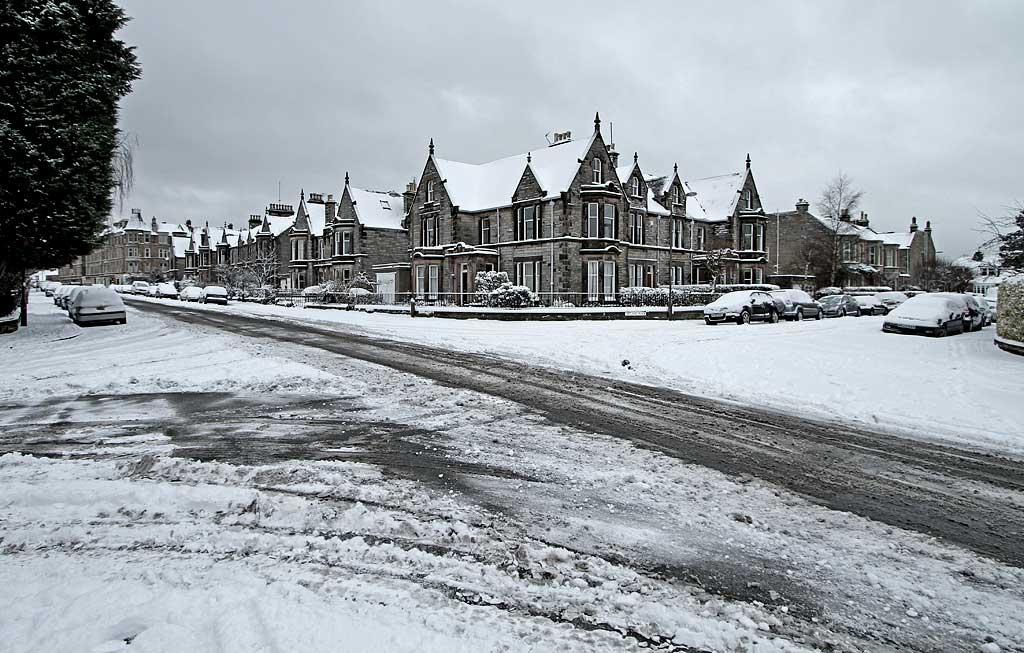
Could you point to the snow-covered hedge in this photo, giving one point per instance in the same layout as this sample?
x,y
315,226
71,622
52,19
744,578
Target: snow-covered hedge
x,y
689,295
509,296
487,282
858,290
1010,318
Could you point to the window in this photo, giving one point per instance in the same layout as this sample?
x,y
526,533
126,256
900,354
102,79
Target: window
x,y
748,236
677,232
527,223
146,252
346,275
593,275
890,258
677,196
635,187
636,227
346,242
677,275
872,255
696,273
385,204
485,231
609,280
421,278
428,232
596,166
434,273
641,275
430,191
759,238
609,221
847,250
697,238
748,199
592,220
528,274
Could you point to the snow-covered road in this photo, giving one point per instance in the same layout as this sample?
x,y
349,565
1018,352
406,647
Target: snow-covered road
x,y
399,514
960,389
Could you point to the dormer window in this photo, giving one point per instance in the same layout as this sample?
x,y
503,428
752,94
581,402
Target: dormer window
x,y
430,191
384,204
748,199
677,197
635,187
596,165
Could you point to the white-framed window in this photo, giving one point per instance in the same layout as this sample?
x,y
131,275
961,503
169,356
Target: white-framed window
x,y
873,255
597,169
890,257
753,275
636,227
421,281
847,250
748,199
385,204
609,221
593,280
609,280
435,272
697,238
677,275
430,191
528,274
346,275
485,231
748,236
677,233
346,242
428,232
677,196
527,223
759,238
593,219
146,252
634,187
695,273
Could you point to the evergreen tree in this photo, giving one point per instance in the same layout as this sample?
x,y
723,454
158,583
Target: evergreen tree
x,y
1011,249
62,74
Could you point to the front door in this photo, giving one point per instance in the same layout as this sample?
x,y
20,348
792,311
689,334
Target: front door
x,y
386,287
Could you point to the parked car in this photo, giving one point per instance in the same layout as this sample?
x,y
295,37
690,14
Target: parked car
x,y
69,297
140,287
797,304
868,305
890,300
96,304
61,295
51,288
742,307
839,305
930,314
165,290
191,294
975,317
215,295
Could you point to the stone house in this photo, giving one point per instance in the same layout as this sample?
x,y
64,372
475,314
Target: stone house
x,y
866,257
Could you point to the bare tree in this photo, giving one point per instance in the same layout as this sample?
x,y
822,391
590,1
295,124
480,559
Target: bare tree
x,y
837,202
262,269
1006,234
124,167
713,261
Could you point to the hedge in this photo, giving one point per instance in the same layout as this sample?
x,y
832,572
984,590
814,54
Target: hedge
x,y
1010,318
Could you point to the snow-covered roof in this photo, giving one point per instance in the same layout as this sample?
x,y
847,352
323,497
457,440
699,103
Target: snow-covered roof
x,y
316,216
717,196
136,223
484,186
378,209
694,210
902,239
179,244
654,206
624,173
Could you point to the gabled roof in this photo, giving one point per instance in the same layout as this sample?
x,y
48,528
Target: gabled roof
x,y
484,186
136,223
903,239
378,209
314,216
624,173
179,244
716,197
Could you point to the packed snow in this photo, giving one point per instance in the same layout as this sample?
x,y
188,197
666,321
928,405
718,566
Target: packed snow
x,y
960,388
464,524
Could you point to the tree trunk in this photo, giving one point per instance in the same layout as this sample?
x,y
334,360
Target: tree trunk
x,y
24,300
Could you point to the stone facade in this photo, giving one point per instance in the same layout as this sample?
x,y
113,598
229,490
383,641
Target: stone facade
x,y
131,250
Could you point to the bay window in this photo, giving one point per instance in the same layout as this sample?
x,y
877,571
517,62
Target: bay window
x,y
609,221
609,280
593,276
635,187
593,219
677,233
528,274
433,279
346,243
597,170
527,223
421,280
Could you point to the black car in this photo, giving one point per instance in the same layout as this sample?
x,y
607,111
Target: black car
x,y
839,305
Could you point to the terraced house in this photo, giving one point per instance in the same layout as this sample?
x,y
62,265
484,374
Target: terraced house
x,y
573,226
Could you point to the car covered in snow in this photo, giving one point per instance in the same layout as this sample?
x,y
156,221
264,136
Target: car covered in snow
x,y
798,305
51,288
191,294
69,297
165,290
140,287
215,295
890,300
839,305
975,312
868,305
742,307
935,314
62,294
96,304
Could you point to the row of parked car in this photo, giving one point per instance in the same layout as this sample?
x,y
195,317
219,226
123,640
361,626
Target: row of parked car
x,y
932,313
204,295
88,304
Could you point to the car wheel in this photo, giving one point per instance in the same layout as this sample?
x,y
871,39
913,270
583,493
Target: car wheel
x,y
708,322
124,320
820,315
744,317
773,317
941,332
799,314
842,312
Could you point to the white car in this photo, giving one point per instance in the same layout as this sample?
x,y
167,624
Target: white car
x,y
742,307
140,287
97,304
69,297
936,314
890,300
191,294
166,290
215,295
975,310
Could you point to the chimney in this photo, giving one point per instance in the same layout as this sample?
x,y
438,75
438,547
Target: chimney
x,y
188,224
913,224
613,155
408,196
845,215
928,225
331,207
231,226
153,224
802,206
255,220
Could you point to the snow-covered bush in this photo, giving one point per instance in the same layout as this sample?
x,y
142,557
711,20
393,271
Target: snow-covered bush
x,y
1010,318
830,290
509,296
687,295
361,281
487,282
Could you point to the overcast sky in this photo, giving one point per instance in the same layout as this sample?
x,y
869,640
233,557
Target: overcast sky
x,y
920,103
